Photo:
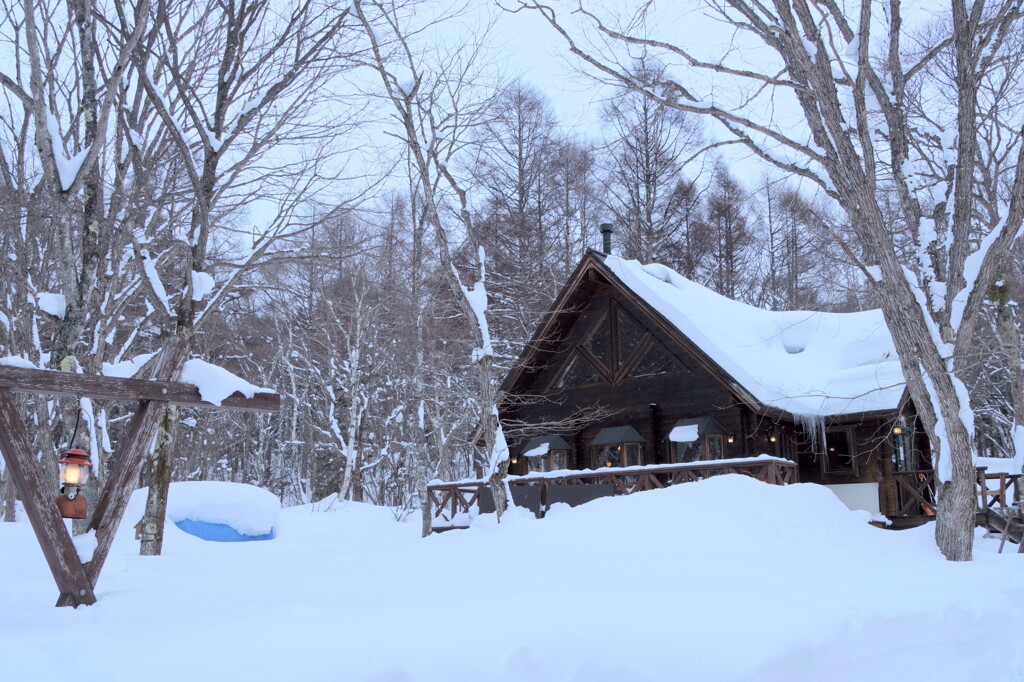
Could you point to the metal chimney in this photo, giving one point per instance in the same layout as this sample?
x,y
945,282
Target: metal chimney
x,y
606,233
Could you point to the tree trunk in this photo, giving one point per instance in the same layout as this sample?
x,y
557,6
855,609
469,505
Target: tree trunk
x,y
7,497
158,475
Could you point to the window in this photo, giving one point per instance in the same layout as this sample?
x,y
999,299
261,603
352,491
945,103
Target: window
x,y
694,440
617,455
631,335
600,343
707,447
579,372
840,454
545,453
613,348
657,360
553,461
620,446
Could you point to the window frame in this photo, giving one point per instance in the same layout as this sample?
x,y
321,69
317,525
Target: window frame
x,y
705,449
828,461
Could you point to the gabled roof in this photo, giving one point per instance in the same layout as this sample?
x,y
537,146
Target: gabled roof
x,y
808,364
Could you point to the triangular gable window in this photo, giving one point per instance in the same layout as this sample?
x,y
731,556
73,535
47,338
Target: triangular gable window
x,y
631,335
656,361
578,372
600,342
617,347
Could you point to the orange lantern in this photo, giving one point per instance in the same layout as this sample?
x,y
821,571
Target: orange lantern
x,y
74,473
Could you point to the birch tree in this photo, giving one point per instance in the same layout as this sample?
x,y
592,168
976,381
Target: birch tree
x,y
434,102
62,203
852,75
237,86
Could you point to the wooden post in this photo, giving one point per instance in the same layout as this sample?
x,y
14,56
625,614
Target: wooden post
x,y
543,498
113,500
38,493
74,580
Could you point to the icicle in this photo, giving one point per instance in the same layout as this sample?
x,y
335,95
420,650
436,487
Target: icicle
x,y
814,426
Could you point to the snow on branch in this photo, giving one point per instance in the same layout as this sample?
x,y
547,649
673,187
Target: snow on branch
x,y
216,383
67,168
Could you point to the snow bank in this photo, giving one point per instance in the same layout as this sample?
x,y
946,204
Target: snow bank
x,y
807,363
998,465
723,580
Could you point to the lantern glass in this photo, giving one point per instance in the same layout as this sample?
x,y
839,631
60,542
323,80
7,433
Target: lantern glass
x,y
74,468
73,475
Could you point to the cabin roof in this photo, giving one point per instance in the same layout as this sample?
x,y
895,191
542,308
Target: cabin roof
x,y
542,445
809,364
689,430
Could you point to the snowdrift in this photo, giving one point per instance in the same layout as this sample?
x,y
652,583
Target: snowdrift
x,y
726,579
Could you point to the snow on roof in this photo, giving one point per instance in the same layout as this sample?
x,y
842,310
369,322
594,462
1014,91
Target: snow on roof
x,y
542,445
684,434
810,364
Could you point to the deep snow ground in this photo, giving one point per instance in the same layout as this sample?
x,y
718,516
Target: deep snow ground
x,y
728,579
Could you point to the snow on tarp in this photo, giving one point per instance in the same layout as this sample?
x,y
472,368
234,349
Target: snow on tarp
x,y
198,507
807,363
216,383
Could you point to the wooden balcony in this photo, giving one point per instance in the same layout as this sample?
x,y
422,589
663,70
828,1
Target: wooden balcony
x,y
999,502
450,503
999,506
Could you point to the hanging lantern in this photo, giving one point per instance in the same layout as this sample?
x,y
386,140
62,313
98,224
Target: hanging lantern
x,y
900,426
74,473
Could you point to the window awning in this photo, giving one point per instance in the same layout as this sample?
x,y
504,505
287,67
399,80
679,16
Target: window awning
x,y
617,434
690,430
542,445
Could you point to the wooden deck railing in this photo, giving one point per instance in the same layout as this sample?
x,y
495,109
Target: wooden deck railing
x,y
450,501
997,490
915,491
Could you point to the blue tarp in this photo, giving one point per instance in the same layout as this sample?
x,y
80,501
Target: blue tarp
x,y
218,532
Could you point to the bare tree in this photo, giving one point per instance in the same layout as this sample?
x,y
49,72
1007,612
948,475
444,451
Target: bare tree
x,y
431,98
232,83
852,76
647,192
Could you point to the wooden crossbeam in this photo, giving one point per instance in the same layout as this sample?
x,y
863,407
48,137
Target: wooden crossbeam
x,y
50,382
38,493
74,579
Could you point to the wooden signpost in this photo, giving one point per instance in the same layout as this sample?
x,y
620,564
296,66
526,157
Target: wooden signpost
x,y
76,579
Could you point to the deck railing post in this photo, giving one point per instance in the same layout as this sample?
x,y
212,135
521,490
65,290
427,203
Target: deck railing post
x,y
982,487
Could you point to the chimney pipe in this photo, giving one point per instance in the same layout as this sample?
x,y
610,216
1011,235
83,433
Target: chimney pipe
x,y
606,232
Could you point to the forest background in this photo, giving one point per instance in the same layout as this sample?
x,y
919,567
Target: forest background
x,y
232,175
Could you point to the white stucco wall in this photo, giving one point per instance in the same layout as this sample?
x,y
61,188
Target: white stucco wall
x,y
858,495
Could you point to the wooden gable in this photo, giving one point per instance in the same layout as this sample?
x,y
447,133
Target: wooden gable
x,y
600,336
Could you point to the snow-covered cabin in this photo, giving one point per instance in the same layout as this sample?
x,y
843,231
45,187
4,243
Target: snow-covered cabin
x,y
637,365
